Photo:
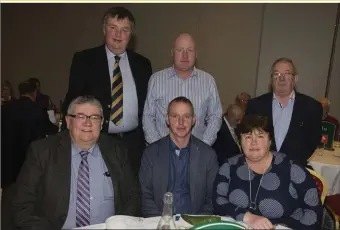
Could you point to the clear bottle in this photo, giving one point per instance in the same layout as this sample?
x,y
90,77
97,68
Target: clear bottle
x,y
167,221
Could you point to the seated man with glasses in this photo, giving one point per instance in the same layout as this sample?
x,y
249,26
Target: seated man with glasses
x,y
76,178
294,118
179,163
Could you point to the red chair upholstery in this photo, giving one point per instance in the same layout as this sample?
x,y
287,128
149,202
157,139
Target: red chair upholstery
x,y
320,183
333,205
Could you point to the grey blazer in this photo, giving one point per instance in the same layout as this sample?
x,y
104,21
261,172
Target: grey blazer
x,y
154,171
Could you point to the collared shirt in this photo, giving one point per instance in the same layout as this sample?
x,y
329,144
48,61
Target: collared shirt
x,y
232,131
130,100
179,183
200,88
281,118
101,188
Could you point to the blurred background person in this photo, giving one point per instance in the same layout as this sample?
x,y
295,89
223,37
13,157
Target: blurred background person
x,y
23,121
227,143
42,100
7,94
242,100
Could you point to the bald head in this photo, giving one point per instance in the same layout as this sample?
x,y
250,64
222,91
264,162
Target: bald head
x,y
184,54
184,38
234,115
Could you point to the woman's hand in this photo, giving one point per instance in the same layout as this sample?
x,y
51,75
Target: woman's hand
x,y
257,222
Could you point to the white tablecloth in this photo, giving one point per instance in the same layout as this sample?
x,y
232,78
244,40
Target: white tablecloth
x,y
129,222
327,164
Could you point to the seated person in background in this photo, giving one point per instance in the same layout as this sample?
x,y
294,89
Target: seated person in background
x,y
6,93
326,104
178,163
77,177
227,144
242,100
264,188
23,122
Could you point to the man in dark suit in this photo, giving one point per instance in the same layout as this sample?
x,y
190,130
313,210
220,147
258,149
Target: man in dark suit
x,y
42,100
118,78
77,177
295,118
23,121
227,144
179,163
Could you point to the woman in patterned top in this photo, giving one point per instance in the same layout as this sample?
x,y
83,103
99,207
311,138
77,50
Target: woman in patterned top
x,y
264,188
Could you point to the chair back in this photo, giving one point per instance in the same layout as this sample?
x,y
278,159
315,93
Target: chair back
x,y
320,184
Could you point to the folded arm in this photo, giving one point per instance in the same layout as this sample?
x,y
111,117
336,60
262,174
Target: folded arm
x,y
221,203
309,213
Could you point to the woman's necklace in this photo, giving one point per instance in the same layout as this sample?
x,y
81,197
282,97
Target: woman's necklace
x,y
253,205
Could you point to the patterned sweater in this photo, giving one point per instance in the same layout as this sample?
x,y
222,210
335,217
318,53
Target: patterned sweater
x,y
287,195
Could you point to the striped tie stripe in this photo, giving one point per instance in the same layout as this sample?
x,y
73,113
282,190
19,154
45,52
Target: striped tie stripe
x,y
117,94
83,192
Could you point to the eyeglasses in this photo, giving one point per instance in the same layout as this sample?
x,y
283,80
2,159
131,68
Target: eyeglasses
x,y
83,117
277,75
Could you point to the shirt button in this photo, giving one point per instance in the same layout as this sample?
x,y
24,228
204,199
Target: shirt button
x,y
109,106
107,121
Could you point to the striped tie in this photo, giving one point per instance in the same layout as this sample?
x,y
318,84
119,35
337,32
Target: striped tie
x,y
117,94
83,192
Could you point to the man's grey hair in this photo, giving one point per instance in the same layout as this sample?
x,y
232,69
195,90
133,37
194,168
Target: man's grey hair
x,y
84,100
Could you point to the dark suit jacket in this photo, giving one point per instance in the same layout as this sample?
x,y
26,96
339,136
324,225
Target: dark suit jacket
x,y
43,186
43,101
23,122
154,175
89,75
225,146
304,132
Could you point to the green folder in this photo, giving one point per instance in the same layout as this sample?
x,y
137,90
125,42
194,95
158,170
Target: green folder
x,y
328,134
223,225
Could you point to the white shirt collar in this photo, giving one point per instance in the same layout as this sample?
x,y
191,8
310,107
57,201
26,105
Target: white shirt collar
x,y
110,55
229,126
291,96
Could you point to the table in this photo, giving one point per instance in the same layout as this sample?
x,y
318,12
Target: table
x,y
327,164
130,222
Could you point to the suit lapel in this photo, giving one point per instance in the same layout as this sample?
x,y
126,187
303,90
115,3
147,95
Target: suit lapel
x,y
194,166
133,66
163,166
269,112
229,135
103,69
63,163
112,164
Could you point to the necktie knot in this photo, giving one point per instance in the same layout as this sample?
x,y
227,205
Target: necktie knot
x,y
84,154
117,58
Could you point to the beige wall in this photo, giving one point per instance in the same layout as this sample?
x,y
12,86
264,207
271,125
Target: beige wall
x,y
236,42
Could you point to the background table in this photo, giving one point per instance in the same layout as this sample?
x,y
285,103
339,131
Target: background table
x,y
327,164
